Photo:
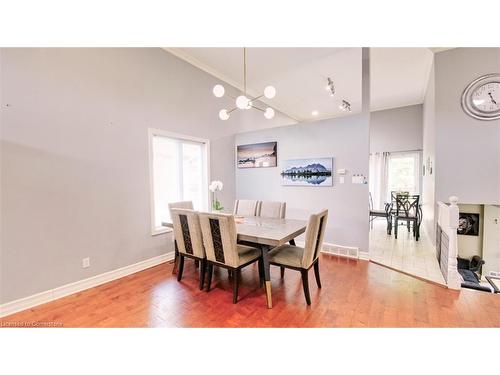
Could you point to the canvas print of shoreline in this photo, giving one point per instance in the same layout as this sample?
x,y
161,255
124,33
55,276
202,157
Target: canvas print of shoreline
x,y
307,172
257,155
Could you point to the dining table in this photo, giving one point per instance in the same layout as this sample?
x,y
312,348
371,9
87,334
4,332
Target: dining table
x,y
265,234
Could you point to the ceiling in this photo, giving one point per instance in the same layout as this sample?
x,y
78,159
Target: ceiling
x,y
398,76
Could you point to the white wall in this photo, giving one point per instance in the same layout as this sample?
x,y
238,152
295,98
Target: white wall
x,y
344,139
74,149
429,155
491,239
467,150
397,129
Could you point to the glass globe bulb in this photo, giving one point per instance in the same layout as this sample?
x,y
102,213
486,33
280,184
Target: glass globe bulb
x,y
242,102
223,115
219,91
269,92
269,113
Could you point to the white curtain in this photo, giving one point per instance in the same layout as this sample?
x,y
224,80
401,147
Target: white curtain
x,y
378,179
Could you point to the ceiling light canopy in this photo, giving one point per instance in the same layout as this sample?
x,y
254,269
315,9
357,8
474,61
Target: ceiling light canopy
x,y
243,101
345,106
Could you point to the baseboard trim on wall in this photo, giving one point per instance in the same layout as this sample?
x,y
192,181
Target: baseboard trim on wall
x,y
13,307
339,250
363,255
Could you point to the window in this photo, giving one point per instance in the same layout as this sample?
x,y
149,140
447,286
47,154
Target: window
x,y
403,173
179,172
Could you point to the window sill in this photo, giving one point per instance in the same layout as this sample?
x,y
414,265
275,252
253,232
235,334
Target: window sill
x,y
156,232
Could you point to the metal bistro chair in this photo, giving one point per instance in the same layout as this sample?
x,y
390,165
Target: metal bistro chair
x,y
385,213
408,209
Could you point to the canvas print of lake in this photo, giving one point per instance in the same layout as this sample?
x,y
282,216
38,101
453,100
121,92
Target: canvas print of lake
x,y
257,155
307,172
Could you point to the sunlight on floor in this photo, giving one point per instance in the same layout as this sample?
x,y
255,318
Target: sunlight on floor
x,y
404,253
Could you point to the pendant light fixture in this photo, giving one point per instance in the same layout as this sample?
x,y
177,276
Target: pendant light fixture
x,y
243,101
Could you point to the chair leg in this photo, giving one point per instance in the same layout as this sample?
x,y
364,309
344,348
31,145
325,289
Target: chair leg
x,y
181,267
236,281
389,226
229,273
316,273
305,285
261,272
203,269
176,258
408,226
282,272
396,230
210,270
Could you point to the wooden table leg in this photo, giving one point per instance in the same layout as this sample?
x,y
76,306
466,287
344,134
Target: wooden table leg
x,y
267,276
176,258
292,242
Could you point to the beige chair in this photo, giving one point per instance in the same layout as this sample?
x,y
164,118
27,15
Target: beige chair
x,y
188,205
244,207
219,239
275,210
187,232
303,258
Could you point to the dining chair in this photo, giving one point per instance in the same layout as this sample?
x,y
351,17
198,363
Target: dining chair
x,y
274,210
245,207
222,250
186,205
187,232
303,258
385,213
408,209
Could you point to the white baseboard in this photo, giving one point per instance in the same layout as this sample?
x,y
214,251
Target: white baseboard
x,y
363,255
65,290
339,250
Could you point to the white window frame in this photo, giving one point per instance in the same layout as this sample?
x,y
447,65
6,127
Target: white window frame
x,y
418,156
163,133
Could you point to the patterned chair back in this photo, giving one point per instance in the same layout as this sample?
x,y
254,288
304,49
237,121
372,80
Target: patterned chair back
x,y
407,205
274,210
219,238
315,233
245,207
187,232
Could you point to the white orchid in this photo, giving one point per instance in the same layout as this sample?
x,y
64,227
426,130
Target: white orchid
x,y
215,186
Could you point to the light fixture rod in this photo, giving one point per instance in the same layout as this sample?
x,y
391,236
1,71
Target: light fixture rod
x,y
257,108
245,71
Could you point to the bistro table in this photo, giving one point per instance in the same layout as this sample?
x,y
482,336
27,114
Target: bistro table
x,y
266,234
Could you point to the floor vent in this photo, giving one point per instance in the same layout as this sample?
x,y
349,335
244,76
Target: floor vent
x,y
343,251
495,273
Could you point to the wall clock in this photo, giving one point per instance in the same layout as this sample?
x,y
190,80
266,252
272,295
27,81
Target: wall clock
x,y
481,98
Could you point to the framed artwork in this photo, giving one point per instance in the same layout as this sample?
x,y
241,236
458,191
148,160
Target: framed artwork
x,y
307,172
468,224
257,155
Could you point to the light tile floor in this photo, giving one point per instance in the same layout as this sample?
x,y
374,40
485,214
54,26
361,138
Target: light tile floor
x,y
404,254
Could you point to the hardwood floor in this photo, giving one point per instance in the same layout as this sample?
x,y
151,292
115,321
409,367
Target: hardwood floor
x,y
354,294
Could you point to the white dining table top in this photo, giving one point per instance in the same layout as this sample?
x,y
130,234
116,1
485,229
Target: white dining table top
x,y
266,231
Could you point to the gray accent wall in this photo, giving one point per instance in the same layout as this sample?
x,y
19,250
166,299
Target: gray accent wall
x,y
346,140
397,129
467,150
74,157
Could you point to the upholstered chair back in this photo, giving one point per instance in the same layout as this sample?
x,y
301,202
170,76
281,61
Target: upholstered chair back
x,y
219,238
245,207
188,205
187,232
314,237
275,210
